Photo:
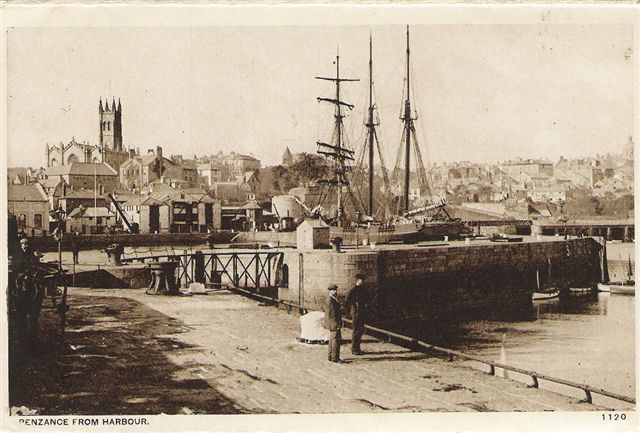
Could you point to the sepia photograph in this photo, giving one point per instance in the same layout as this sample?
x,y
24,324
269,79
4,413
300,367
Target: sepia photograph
x,y
362,217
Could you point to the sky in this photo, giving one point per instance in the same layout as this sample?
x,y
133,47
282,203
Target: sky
x,y
483,92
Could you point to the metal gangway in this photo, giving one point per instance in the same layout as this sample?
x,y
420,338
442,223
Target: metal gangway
x,y
255,269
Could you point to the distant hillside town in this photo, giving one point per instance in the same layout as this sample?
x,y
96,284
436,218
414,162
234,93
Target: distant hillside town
x,y
99,185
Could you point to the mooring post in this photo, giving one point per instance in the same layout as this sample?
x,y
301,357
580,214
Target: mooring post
x,y
199,274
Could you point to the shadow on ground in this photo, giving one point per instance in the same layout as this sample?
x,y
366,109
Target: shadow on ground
x,y
112,360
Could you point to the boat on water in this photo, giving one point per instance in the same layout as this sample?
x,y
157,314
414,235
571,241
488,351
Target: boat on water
x,y
542,294
626,287
430,222
618,288
547,294
580,290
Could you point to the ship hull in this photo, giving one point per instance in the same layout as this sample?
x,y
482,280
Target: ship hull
x,y
407,233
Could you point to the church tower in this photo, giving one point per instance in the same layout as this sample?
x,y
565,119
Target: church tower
x,y
110,125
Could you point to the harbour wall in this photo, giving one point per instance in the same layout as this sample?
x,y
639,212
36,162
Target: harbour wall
x,y
428,283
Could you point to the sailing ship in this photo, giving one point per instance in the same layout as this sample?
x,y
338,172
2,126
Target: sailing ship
x,y
428,222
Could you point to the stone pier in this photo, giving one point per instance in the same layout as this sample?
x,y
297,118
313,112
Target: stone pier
x,y
423,282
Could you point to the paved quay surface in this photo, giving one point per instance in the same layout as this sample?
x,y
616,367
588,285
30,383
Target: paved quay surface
x,y
244,357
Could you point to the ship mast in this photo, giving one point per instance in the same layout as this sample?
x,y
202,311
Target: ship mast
x,y
408,127
409,137
371,142
371,126
337,151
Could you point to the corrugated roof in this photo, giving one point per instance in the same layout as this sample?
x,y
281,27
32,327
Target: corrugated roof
x,y
33,192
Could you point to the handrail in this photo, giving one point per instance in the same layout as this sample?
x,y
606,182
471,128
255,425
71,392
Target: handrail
x,y
588,390
533,374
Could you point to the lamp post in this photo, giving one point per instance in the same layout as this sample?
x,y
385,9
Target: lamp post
x,y
59,216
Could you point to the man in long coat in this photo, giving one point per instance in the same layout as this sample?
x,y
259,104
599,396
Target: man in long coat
x,y
333,322
27,291
356,300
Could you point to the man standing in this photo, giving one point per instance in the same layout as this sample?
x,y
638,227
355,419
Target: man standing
x,y
333,322
28,290
356,299
75,246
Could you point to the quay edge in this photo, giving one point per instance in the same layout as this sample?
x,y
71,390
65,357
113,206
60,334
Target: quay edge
x,y
430,283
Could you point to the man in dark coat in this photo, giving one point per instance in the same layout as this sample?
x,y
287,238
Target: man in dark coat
x,y
28,291
75,246
356,300
333,322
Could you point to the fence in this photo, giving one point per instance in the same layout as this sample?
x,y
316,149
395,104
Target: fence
x,y
245,269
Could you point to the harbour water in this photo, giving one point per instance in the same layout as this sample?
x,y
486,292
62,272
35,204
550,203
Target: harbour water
x,y
588,339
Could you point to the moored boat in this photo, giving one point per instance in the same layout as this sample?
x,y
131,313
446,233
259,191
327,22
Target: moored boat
x,y
547,294
580,290
620,287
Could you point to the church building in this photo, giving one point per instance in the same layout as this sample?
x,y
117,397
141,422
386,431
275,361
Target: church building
x,y
109,150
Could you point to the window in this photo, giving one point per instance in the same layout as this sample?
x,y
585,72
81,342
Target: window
x,y
37,220
99,221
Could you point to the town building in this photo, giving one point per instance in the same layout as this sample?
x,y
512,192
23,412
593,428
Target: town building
x,y
239,163
211,172
529,166
173,211
56,188
82,197
30,205
92,220
86,175
138,172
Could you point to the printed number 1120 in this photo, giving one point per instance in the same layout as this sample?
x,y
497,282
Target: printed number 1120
x,y
614,416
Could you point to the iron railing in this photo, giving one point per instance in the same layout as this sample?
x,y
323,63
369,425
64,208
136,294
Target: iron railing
x,y
246,269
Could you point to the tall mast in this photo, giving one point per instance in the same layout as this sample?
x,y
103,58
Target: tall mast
x,y
371,126
339,118
408,126
337,150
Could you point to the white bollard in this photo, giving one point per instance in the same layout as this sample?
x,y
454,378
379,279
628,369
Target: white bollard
x,y
467,241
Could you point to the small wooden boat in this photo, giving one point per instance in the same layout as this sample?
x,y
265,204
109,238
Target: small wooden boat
x,y
623,288
580,290
547,294
539,294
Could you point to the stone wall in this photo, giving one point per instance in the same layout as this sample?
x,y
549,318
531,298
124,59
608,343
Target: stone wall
x,y
429,283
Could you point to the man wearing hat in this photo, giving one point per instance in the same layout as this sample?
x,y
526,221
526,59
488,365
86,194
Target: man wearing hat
x,y
356,300
27,291
333,322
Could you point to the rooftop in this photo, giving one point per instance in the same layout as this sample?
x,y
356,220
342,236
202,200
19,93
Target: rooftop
x,y
82,169
33,192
